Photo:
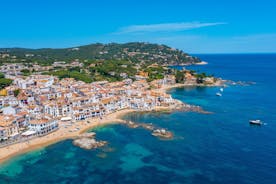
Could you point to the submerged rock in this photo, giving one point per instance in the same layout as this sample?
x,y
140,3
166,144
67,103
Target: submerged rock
x,y
131,124
101,155
87,135
108,149
147,126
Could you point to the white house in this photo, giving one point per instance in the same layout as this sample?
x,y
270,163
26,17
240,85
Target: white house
x,y
9,110
43,126
8,127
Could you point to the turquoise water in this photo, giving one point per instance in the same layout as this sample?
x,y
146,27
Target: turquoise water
x,y
215,148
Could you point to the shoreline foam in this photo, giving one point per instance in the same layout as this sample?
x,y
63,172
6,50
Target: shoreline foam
x,y
201,63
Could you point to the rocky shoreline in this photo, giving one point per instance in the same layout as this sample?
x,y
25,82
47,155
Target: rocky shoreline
x,y
155,131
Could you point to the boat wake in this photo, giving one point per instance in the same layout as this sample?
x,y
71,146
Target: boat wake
x,y
240,83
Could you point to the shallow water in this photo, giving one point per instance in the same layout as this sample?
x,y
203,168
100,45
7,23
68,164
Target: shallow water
x,y
208,148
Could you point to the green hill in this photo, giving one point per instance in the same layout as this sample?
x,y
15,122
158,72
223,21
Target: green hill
x,y
137,52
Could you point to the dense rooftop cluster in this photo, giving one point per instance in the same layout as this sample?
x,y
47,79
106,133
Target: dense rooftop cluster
x,y
43,100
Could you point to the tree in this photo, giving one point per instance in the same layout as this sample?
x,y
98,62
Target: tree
x,y
200,77
25,72
16,92
179,77
73,74
4,82
2,76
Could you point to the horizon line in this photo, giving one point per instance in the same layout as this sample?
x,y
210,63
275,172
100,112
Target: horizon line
x,y
191,53
231,53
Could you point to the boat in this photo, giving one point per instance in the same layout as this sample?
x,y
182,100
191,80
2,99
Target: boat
x,y
218,94
255,122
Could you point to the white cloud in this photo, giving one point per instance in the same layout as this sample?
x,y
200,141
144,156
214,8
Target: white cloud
x,y
166,27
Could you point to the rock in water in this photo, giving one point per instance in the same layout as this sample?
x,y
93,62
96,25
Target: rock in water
x,y
88,143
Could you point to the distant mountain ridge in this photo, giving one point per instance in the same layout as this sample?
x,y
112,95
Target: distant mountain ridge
x,y
133,51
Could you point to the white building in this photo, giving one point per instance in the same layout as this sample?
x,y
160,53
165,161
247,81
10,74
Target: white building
x,y
43,126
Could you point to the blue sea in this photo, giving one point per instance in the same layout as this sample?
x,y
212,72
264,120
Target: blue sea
x,y
208,148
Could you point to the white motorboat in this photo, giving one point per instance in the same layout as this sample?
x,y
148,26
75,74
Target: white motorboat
x,y
218,94
256,122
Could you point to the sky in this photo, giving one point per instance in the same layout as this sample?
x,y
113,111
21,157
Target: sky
x,y
195,26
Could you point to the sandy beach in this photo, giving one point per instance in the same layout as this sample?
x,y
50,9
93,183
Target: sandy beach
x,y
64,132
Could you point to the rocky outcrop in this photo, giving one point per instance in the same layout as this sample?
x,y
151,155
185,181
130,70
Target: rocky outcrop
x,y
162,133
87,141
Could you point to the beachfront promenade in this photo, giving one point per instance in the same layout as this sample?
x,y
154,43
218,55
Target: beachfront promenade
x,y
21,139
